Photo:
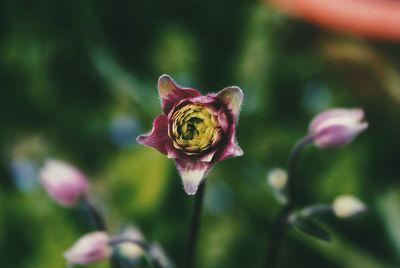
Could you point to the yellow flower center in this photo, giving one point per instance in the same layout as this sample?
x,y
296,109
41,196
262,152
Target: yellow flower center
x,y
195,129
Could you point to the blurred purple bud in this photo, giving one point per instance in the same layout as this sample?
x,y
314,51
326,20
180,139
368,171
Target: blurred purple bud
x,y
90,248
64,183
337,127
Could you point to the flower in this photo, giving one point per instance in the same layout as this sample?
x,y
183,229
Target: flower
x,y
64,183
196,131
373,18
337,127
90,248
345,206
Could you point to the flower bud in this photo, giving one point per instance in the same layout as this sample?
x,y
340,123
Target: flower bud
x,y
128,249
345,206
277,178
337,127
91,248
64,183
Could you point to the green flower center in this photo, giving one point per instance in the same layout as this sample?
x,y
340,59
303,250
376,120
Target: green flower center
x,y
195,129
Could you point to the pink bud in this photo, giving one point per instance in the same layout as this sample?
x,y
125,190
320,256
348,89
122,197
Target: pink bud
x,y
63,182
90,248
337,127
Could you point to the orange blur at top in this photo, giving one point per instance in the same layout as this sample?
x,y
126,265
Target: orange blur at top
x,y
370,18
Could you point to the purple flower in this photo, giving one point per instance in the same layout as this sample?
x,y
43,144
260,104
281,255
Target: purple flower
x,y
337,127
64,183
90,248
196,131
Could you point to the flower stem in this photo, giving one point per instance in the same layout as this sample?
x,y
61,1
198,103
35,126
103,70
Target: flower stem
x,y
195,226
280,224
97,222
119,240
95,217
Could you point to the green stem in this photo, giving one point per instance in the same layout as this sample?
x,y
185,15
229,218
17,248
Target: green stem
x,y
280,224
96,219
195,226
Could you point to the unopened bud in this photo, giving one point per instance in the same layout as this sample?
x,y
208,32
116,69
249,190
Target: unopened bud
x,y
277,178
64,183
90,248
337,127
345,206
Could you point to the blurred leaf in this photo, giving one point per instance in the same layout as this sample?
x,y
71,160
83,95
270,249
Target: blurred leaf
x,y
125,86
176,52
312,229
388,207
138,181
341,176
279,195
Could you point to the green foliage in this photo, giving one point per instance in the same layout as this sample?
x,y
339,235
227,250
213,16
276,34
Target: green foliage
x,y
71,72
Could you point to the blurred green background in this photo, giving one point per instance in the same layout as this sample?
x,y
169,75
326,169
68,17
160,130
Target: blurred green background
x,y
78,83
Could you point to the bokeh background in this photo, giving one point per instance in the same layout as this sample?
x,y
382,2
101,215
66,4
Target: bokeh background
x,y
78,83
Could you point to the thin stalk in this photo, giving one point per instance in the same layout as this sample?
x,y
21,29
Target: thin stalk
x,y
280,224
97,222
119,240
96,219
195,226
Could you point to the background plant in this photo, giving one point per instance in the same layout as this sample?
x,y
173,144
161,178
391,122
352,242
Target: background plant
x,y
78,82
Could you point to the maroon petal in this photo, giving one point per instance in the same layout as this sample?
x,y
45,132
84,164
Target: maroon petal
x,y
208,157
174,153
232,97
192,173
170,93
158,137
231,148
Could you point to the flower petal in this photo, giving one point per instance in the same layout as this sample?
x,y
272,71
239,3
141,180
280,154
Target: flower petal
x,y
233,98
208,157
170,93
192,173
158,137
325,118
231,150
338,135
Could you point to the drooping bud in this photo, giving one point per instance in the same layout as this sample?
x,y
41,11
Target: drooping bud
x,y
345,206
128,249
64,183
337,127
277,178
91,248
